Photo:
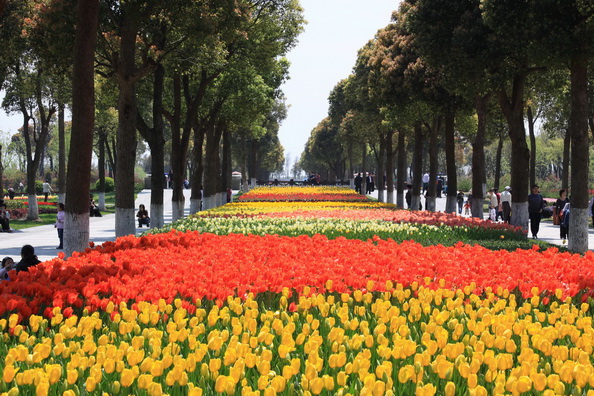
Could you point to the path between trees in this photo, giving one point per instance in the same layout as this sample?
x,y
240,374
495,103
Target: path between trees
x,y
45,238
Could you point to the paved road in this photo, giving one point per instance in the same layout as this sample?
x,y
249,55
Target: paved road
x,y
45,238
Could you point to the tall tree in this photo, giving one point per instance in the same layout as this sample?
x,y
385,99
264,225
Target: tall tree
x,y
76,225
566,28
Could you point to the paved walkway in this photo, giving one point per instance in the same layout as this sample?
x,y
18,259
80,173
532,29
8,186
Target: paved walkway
x,y
45,238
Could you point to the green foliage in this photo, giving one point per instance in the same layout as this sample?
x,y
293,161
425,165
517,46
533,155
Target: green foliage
x,y
38,187
109,185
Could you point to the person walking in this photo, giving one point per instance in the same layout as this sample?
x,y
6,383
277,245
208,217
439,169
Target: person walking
x,y
460,201
46,190
60,225
368,183
358,182
536,203
559,206
506,198
425,180
493,204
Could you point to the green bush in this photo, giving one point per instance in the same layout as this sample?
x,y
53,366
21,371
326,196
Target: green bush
x,y
38,187
14,204
109,185
464,183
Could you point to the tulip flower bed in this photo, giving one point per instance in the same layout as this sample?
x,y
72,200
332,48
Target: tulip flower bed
x,y
302,194
422,233
337,302
394,340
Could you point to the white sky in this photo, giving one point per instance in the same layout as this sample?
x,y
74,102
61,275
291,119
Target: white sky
x,y
325,54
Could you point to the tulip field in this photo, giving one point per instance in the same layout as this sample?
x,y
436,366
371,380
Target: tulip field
x,y
304,291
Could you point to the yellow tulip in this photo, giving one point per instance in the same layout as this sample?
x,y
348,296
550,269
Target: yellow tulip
x,y
221,384
9,373
195,392
91,384
450,389
127,377
72,376
55,373
316,386
379,388
472,381
155,389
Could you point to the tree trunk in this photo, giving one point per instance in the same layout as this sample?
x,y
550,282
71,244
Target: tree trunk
x,y
351,167
196,181
364,166
566,154
101,166
513,110
180,142
433,164
61,154
178,148
417,167
478,158
401,170
78,178
578,221
226,165
155,138
32,209
244,166
389,167
379,176
211,166
531,121
111,156
126,143
498,162
451,169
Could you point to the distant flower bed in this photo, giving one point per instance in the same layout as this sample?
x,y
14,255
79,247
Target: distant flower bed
x,y
42,203
39,197
302,194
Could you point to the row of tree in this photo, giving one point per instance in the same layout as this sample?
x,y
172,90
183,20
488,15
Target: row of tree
x,y
202,76
447,71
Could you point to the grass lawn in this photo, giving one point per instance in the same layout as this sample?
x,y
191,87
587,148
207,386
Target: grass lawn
x,y
44,219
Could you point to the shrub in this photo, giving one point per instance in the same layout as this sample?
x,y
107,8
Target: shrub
x,y
16,214
38,187
14,204
109,185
